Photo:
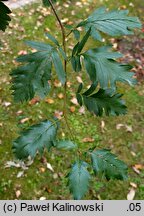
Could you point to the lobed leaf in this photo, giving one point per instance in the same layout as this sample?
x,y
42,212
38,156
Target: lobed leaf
x,y
36,138
107,164
32,78
4,16
114,23
101,67
78,179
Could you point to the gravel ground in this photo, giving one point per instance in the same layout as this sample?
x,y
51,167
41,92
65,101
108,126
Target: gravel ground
x,y
13,4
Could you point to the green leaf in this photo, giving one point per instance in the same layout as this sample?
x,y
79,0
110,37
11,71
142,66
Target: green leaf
x,y
76,63
65,144
58,66
101,67
90,90
50,53
32,78
107,164
39,46
75,59
114,23
76,34
78,179
80,88
83,42
46,2
53,39
62,53
36,138
4,17
75,49
103,101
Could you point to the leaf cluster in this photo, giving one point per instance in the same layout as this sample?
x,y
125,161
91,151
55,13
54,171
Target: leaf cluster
x,y
34,76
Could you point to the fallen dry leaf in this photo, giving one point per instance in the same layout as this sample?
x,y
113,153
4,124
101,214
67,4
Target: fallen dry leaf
x,y
19,164
19,112
6,104
129,128
57,83
60,96
88,139
42,198
34,101
131,194
22,121
82,110
133,153
79,79
20,174
72,109
18,193
42,169
136,170
58,114
139,166
134,185
50,167
118,126
49,101
102,126
74,101
22,52
68,84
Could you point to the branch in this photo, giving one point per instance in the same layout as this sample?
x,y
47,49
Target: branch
x,y
65,67
60,23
